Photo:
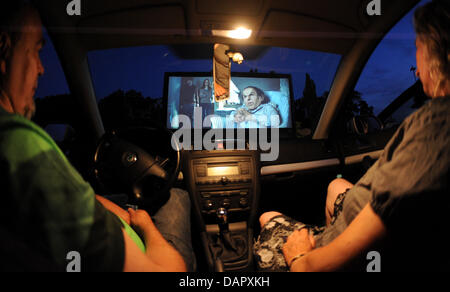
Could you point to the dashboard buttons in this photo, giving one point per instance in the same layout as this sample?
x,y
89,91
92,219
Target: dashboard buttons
x,y
224,180
243,202
201,171
208,205
205,195
243,193
226,203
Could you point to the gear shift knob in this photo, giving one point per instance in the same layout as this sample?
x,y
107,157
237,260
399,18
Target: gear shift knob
x,y
222,216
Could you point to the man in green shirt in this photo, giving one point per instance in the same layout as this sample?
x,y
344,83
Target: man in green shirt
x,y
48,211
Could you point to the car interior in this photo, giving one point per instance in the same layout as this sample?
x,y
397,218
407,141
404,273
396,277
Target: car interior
x,y
132,149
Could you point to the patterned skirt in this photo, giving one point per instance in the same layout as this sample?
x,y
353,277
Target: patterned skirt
x,y
268,247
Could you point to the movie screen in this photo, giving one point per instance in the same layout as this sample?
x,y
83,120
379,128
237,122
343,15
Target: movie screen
x,y
255,102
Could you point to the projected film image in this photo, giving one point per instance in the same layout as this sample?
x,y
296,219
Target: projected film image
x,y
254,102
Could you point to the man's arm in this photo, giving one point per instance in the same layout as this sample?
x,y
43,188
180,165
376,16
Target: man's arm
x,y
160,255
159,251
113,208
365,230
136,260
272,113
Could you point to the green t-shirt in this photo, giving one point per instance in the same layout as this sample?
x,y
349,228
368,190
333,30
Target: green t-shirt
x,y
48,206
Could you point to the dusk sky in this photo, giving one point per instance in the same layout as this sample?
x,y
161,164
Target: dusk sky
x,y
386,75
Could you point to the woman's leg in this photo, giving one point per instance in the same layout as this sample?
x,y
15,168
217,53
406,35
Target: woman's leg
x,y
266,217
335,188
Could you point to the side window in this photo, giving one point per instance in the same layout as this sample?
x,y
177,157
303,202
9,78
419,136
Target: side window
x,y
52,94
388,87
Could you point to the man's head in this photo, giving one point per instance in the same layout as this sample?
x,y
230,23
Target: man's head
x,y
253,97
432,25
21,40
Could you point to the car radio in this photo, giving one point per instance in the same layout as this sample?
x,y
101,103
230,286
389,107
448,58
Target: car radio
x,y
210,172
222,179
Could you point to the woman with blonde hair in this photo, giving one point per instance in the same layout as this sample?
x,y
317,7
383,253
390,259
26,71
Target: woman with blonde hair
x,y
398,210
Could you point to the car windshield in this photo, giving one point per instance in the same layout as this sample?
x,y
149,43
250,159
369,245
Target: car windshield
x,y
132,79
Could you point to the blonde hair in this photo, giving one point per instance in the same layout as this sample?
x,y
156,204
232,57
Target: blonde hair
x,y
432,27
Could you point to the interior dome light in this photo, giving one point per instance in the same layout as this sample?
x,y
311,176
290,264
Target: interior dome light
x,y
240,33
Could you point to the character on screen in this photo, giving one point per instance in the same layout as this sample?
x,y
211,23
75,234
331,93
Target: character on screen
x,y
187,97
256,111
204,98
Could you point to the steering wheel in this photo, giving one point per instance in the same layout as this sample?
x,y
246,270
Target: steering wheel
x,y
142,162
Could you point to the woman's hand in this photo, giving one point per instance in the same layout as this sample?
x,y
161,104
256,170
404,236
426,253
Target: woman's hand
x,y
300,242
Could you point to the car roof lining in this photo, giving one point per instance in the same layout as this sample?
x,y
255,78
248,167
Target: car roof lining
x,y
294,24
300,24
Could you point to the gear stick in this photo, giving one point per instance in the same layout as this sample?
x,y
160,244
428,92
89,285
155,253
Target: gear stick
x,y
222,216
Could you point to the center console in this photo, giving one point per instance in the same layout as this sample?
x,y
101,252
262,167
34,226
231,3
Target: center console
x,y
224,190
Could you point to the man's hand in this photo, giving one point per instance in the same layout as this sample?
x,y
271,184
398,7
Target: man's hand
x,y
239,118
140,221
242,115
299,242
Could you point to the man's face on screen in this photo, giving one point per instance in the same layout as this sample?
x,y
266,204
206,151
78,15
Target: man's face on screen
x,y
251,98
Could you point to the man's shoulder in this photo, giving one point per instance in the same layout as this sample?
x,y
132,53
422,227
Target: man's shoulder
x,y
9,121
269,107
21,138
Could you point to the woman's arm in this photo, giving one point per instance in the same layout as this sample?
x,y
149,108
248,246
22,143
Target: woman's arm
x,y
365,230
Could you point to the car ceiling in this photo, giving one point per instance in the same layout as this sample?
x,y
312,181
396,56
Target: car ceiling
x,y
323,25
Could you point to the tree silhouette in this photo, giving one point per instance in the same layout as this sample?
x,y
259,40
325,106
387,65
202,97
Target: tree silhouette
x,y
355,106
309,107
122,109
55,109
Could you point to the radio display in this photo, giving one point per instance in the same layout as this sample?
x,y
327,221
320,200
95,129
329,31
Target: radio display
x,y
223,170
